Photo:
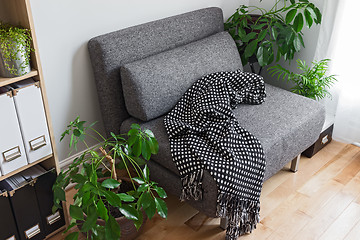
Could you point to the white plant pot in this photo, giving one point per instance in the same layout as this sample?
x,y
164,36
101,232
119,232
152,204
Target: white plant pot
x,y
16,64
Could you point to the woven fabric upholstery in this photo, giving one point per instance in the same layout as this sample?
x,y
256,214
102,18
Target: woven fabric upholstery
x,y
110,51
286,124
152,86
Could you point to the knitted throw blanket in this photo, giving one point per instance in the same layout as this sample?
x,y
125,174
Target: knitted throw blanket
x,y
205,135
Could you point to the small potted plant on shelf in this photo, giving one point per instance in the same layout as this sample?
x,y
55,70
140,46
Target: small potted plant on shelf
x,y
266,35
311,82
15,49
110,205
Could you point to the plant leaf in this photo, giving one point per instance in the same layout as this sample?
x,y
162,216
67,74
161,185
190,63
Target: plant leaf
x,y
135,126
112,229
258,26
112,198
146,172
90,221
297,43
110,183
250,48
161,207
138,180
138,222
308,18
145,150
78,178
125,197
149,133
249,37
59,193
262,35
137,147
290,15
76,212
132,139
146,200
129,212
318,15
102,210
298,22
151,209
72,236
154,146
160,191
133,131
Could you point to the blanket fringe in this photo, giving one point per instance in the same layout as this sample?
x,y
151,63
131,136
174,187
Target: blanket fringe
x,y
192,186
242,215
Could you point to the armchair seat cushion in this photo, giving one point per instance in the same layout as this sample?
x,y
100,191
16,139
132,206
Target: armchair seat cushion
x,y
286,129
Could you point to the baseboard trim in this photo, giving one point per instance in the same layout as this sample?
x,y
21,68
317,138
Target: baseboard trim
x,y
64,164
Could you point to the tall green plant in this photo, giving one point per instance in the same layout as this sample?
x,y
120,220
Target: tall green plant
x,y
275,33
15,44
311,82
96,199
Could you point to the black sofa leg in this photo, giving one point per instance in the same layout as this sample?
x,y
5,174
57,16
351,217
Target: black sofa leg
x,y
295,163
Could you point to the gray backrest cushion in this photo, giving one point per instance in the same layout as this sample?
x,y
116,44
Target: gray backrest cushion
x,y
110,51
153,85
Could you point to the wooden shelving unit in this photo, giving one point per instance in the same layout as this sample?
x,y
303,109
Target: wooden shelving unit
x,y
18,13
7,81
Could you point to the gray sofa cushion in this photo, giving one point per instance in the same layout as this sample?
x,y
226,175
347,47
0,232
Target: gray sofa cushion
x,y
286,124
152,86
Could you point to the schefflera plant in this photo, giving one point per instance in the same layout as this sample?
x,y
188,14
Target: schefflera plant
x,y
96,198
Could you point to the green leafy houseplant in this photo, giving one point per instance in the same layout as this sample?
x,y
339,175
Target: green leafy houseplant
x,y
312,82
271,36
100,190
15,49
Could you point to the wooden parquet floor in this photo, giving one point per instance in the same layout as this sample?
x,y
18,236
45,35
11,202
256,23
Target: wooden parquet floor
x,y
320,201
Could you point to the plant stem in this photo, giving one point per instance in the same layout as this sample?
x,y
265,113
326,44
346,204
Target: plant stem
x,y
93,129
127,169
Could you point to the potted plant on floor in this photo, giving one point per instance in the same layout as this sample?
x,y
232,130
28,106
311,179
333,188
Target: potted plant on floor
x,y
106,204
15,49
311,82
314,83
266,35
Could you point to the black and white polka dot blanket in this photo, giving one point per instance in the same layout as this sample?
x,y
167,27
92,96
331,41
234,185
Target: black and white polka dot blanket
x,y
205,135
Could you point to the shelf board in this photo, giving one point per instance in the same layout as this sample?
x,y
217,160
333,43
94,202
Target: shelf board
x,y
7,81
26,167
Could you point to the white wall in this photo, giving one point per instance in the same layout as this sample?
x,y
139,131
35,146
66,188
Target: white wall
x,y
63,28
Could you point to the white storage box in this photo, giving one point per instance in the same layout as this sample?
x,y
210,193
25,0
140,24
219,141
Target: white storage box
x,y
12,152
31,114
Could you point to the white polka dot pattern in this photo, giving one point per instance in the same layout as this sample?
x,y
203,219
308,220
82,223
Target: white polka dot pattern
x,y
204,134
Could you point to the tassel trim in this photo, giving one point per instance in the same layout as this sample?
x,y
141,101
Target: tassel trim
x,y
192,186
242,215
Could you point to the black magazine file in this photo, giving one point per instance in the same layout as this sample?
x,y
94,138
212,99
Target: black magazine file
x,y
25,207
8,229
43,188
